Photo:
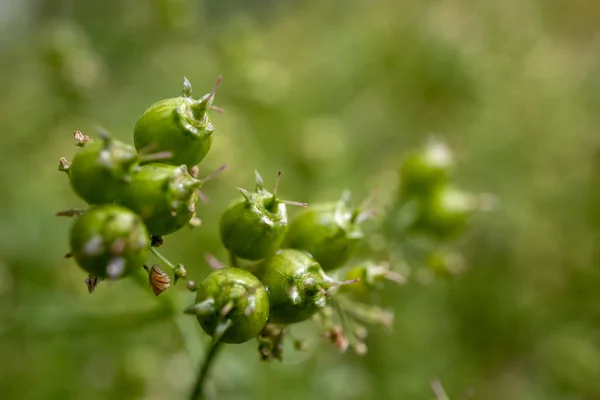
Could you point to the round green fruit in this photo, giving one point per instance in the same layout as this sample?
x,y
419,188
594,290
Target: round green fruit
x,y
234,297
445,214
101,169
296,284
254,226
179,126
163,195
109,241
425,169
328,231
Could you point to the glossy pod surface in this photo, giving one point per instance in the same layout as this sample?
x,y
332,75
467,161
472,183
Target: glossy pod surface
x,y
254,227
180,126
296,284
327,231
445,214
101,169
163,195
109,235
243,293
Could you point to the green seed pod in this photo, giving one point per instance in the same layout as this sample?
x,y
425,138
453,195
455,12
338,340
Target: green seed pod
x,y
425,169
297,285
444,215
254,227
233,300
163,195
180,126
328,231
109,241
101,168
445,263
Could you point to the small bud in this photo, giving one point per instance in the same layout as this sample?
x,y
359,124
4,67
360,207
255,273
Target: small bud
x,y
159,281
195,222
360,348
300,345
191,286
180,272
81,138
336,336
156,241
63,165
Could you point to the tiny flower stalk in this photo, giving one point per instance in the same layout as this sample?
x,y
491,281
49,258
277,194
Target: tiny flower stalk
x,y
329,231
109,241
372,276
254,227
180,126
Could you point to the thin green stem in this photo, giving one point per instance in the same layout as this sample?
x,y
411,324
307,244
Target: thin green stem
x,y
233,261
163,258
198,391
172,308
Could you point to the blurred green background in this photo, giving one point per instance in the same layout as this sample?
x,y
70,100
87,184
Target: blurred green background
x,y
333,93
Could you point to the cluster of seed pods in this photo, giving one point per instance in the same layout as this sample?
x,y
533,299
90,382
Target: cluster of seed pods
x,y
137,194
280,273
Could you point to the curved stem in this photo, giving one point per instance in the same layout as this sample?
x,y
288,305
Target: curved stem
x,y
162,258
198,391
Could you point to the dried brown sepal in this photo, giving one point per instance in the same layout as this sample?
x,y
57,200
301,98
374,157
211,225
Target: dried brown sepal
x,y
337,337
159,281
68,255
73,212
63,164
91,282
194,171
156,241
81,138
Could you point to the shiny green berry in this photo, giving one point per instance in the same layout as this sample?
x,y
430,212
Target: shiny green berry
x,y
444,214
425,169
109,241
254,226
180,126
163,195
231,304
296,283
328,231
445,263
101,169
